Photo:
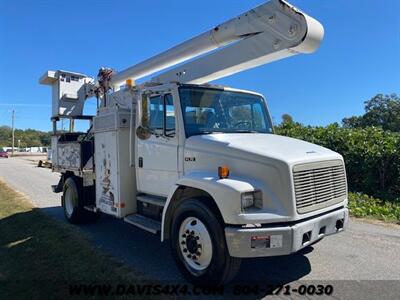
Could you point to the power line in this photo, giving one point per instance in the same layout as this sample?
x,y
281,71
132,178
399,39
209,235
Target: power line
x,y
25,105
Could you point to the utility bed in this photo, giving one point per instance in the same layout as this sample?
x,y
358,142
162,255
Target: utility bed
x,y
71,152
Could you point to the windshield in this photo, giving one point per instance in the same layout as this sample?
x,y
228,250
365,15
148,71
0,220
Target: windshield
x,y
212,110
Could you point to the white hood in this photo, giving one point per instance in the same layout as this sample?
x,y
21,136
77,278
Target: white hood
x,y
272,146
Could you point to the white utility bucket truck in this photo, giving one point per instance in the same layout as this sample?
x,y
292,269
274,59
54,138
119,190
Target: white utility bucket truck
x,y
196,162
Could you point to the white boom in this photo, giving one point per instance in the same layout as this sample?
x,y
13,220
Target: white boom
x,y
271,31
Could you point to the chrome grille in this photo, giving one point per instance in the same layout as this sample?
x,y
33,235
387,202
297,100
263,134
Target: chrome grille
x,y
319,185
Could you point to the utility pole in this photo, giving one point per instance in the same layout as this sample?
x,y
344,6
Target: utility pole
x,y
13,118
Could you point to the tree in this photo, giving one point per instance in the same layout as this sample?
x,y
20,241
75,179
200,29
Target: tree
x,y
380,111
287,119
28,137
353,122
5,136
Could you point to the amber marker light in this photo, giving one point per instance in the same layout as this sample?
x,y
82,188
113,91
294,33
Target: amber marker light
x,y
129,82
223,172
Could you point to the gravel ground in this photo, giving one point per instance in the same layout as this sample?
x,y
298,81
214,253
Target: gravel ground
x,y
359,262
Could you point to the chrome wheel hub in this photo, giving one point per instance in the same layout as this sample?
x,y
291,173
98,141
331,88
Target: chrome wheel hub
x,y
195,243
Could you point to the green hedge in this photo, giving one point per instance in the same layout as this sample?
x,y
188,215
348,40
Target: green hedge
x,y
372,155
361,205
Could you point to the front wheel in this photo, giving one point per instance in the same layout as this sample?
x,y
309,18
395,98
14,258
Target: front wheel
x,y
198,245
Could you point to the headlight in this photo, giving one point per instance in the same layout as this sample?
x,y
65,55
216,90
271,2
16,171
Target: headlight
x,y
251,199
247,200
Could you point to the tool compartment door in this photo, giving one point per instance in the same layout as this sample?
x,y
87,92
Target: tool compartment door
x,y
106,156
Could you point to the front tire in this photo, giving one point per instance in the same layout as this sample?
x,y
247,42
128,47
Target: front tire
x,y
198,245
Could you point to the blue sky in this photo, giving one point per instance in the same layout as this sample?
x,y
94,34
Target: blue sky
x,y
359,56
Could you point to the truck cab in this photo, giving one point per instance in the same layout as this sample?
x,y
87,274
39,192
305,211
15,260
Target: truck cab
x,y
221,141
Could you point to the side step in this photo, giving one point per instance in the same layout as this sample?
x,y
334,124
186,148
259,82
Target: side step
x,y
92,208
154,200
144,223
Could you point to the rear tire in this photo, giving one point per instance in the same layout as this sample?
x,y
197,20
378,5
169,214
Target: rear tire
x,y
73,205
198,245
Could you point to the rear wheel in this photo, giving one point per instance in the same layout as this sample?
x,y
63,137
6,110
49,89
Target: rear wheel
x,y
198,245
72,203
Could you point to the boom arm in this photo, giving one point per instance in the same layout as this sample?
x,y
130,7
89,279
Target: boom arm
x,y
269,32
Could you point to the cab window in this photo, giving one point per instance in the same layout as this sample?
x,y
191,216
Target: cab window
x,y
169,119
162,115
156,114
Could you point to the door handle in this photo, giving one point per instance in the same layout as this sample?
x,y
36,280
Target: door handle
x,y
140,162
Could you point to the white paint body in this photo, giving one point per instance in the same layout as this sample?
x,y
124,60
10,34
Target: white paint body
x,y
159,165
257,161
115,177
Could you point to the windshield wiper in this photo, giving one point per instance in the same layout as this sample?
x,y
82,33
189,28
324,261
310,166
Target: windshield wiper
x,y
225,131
245,131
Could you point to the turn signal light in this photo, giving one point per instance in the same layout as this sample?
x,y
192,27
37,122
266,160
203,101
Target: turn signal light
x,y
223,172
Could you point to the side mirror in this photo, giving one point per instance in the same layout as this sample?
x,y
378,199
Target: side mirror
x,y
143,133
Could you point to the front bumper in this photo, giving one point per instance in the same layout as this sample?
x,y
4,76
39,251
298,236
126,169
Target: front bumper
x,y
283,240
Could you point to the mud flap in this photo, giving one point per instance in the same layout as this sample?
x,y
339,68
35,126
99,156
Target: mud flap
x,y
58,188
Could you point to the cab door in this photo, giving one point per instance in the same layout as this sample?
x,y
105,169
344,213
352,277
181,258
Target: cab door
x,y
157,153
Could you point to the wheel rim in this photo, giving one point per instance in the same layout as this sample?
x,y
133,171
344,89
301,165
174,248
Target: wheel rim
x,y
195,243
69,202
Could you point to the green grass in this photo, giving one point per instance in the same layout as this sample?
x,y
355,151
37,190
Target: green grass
x,y
364,206
40,257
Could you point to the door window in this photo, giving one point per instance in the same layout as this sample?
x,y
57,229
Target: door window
x,y
156,114
169,119
162,115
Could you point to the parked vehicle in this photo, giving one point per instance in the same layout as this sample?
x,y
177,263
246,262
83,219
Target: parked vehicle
x,y
197,162
3,153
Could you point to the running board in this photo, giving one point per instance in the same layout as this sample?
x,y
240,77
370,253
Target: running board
x,y
154,200
144,223
92,208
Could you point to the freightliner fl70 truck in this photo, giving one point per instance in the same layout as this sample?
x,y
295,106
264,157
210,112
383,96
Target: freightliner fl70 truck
x,y
195,162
